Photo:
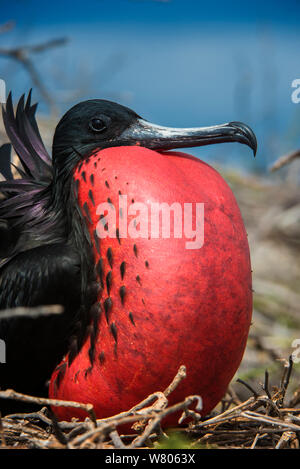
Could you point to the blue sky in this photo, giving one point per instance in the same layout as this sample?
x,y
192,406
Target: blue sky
x,y
178,63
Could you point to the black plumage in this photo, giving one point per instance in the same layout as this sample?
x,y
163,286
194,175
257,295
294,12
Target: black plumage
x,y
47,260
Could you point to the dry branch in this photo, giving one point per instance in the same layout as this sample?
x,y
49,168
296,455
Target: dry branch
x,y
23,55
262,421
32,312
284,160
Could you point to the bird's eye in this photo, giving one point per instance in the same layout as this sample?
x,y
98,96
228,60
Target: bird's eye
x,y
97,125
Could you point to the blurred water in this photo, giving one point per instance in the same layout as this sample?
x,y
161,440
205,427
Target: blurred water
x,y
174,63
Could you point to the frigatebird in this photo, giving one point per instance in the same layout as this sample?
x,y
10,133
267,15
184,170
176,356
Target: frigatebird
x,y
50,258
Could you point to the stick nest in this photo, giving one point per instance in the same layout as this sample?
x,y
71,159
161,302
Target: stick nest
x,y
264,420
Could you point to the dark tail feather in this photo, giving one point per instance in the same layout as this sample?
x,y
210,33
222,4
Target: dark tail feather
x,y
25,138
24,200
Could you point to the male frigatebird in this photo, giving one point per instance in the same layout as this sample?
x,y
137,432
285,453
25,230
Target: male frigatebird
x,y
134,309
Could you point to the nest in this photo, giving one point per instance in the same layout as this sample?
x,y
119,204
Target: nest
x,y
264,420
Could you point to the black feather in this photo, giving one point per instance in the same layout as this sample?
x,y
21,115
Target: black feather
x,y
5,162
46,251
46,258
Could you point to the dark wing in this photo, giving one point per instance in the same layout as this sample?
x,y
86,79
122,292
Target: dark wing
x,y
24,135
6,237
34,346
23,201
39,266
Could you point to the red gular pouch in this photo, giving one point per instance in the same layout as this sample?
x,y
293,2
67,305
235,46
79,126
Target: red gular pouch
x,y
164,300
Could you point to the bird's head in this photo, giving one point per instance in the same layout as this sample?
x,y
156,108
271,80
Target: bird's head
x,y
98,124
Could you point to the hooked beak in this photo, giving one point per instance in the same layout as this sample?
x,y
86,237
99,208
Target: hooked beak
x,y
158,137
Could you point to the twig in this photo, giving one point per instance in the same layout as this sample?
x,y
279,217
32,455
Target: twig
x,y
57,430
266,384
248,424
162,400
181,374
248,387
284,160
32,312
286,381
22,55
118,443
8,26
258,436
284,439
270,420
11,394
223,417
3,440
139,441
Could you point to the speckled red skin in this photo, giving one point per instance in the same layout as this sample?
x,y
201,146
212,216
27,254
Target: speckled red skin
x,y
191,307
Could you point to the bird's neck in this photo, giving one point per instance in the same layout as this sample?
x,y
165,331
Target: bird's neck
x,y
70,221
51,218
65,203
